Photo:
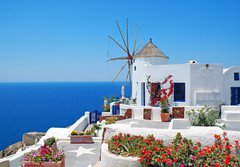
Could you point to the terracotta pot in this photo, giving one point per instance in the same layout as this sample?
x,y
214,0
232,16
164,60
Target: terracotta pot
x,y
165,117
44,164
85,139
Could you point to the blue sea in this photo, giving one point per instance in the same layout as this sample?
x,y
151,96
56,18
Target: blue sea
x,y
27,107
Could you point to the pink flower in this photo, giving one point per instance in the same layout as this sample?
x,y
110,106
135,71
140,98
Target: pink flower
x,y
169,163
181,165
194,147
193,158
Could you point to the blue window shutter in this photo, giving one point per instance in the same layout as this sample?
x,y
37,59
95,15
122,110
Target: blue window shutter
x,y
236,76
179,92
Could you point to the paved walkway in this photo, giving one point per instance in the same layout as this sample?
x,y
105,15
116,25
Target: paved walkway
x,y
137,123
80,155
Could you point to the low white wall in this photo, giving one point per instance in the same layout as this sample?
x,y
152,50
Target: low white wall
x,y
230,113
63,133
111,160
156,111
203,134
16,159
230,108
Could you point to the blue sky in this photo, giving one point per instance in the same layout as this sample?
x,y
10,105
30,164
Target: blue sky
x,y
47,40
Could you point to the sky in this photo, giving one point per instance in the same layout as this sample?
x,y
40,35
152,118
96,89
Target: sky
x,y
65,41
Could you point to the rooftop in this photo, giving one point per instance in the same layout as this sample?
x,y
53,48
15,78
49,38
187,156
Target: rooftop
x,y
150,50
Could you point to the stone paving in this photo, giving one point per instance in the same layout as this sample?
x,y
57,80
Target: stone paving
x,y
137,123
81,155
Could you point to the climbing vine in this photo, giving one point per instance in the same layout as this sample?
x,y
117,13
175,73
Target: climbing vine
x,y
159,93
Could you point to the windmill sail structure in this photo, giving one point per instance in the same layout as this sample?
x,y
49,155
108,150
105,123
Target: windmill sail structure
x,y
129,58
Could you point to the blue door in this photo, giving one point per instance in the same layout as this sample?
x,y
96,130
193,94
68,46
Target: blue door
x,y
115,109
93,117
143,93
235,95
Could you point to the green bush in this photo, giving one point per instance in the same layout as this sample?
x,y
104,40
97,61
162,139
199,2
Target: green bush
x,y
111,120
203,117
50,141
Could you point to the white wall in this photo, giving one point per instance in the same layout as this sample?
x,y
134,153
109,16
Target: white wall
x,y
228,82
206,84
203,86
180,72
152,60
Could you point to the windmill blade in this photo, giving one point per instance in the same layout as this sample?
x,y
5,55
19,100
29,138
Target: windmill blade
x,y
135,39
118,44
127,34
117,58
119,29
120,71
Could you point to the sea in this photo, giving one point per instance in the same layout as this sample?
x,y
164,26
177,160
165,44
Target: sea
x,y
29,107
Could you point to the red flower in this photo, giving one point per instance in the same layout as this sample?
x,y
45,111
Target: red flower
x,y
201,153
156,149
226,162
225,138
116,137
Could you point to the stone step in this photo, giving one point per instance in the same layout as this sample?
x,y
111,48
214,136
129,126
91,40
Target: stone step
x,y
231,116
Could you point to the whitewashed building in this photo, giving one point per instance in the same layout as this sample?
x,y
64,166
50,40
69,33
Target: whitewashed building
x,y
194,84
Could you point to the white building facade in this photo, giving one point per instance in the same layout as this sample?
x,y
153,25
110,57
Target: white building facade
x,y
194,84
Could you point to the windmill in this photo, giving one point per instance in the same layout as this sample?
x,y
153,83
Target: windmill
x,y
130,56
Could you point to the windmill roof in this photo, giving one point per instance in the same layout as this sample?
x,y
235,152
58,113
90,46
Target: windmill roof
x,y
150,50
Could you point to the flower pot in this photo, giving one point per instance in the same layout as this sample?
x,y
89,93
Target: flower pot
x,y
85,139
44,164
165,117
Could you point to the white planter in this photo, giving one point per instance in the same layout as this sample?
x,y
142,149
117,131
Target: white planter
x,y
110,160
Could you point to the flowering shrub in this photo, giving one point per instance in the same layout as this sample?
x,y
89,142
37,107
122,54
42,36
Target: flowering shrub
x,y
46,153
203,117
129,145
181,152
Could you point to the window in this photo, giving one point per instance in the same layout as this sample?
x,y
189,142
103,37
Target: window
x,y
236,76
179,92
135,68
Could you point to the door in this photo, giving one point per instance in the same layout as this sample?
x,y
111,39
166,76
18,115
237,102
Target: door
x,y
143,93
235,95
93,117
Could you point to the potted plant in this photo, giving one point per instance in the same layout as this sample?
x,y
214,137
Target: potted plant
x,y
47,155
81,137
165,115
